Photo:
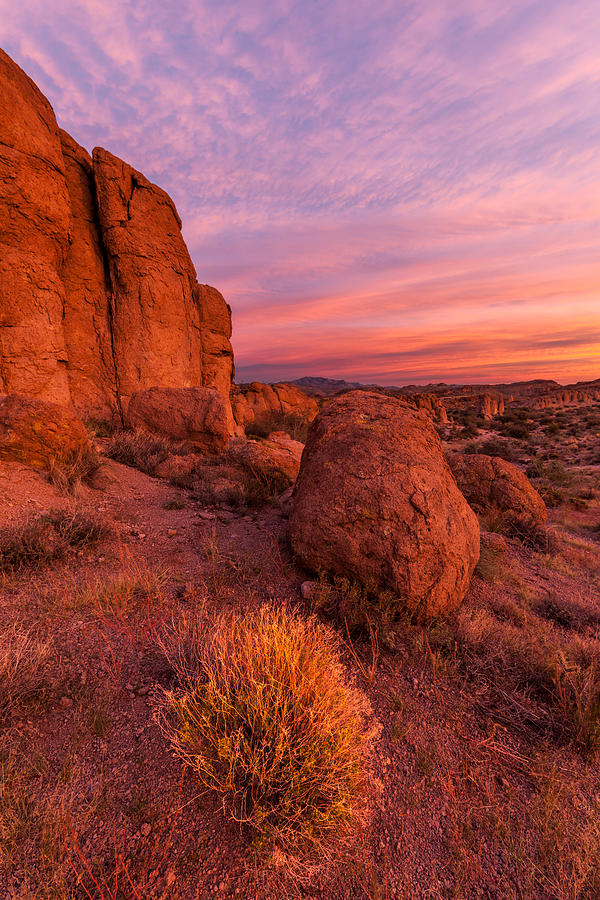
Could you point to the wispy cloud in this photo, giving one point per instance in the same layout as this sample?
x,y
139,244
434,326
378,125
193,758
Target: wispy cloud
x,y
358,179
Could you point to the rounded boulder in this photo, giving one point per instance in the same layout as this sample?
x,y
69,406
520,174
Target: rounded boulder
x,y
490,481
38,433
375,502
197,415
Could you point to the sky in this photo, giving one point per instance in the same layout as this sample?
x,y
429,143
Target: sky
x,y
384,191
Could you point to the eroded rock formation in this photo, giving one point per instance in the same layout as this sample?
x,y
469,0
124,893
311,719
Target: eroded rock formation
x,y
430,403
491,405
98,294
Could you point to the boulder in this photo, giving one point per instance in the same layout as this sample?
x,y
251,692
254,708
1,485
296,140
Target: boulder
x,y
489,482
39,433
197,415
375,501
178,465
275,459
494,542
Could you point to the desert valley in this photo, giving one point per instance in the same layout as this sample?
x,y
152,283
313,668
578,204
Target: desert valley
x,y
306,639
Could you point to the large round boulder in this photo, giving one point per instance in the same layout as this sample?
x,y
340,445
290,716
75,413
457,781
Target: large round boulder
x,y
40,434
376,502
489,482
198,415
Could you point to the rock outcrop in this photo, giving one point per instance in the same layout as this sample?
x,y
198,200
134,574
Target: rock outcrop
x,y
195,415
430,404
34,236
98,294
257,403
567,397
490,405
376,502
490,482
87,320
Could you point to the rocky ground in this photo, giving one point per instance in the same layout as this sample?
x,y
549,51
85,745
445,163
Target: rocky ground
x,y
485,779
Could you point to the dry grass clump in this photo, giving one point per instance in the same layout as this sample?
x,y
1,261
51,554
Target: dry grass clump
x,y
560,673
141,449
265,717
522,527
293,424
67,473
48,537
23,667
124,592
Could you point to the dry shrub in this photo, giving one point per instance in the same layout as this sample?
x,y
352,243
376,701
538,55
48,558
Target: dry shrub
x,y
530,533
293,424
522,527
67,473
561,673
48,537
142,450
23,667
266,718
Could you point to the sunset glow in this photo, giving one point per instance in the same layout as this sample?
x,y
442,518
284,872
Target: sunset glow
x,y
388,191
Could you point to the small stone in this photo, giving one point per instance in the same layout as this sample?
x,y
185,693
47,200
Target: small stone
x,y
307,589
66,702
146,829
172,532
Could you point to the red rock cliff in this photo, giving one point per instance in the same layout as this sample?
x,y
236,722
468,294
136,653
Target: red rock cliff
x,y
98,294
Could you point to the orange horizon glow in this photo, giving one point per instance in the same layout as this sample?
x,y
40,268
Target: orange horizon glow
x,y
393,192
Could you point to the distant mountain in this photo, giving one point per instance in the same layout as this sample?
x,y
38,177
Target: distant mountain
x,y
539,392
327,387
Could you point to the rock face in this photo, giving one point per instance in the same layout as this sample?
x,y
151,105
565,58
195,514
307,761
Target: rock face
x,y
256,402
34,232
491,405
87,322
38,433
568,396
98,294
196,415
489,481
375,501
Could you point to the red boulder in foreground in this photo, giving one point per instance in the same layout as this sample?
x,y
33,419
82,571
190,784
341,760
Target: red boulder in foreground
x,y
376,502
